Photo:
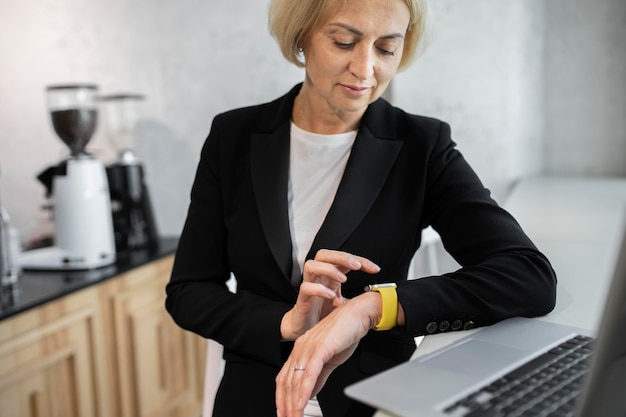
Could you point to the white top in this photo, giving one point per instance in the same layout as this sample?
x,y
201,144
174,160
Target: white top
x,y
317,163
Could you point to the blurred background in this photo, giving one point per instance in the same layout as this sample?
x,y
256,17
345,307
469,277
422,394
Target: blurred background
x,y
529,86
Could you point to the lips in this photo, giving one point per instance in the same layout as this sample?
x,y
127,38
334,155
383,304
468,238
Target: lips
x,y
355,88
357,91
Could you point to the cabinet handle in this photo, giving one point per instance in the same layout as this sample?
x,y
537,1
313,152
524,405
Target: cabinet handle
x,y
35,404
162,357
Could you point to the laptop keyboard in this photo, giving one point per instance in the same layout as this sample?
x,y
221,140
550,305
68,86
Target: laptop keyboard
x,y
546,386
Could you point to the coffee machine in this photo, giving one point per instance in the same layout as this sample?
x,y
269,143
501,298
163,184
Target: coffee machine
x,y
78,188
133,219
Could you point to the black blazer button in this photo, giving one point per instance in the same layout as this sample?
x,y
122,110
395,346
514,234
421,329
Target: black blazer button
x,y
444,326
457,325
469,325
432,327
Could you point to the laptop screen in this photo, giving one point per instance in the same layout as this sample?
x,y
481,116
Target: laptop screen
x,y
604,390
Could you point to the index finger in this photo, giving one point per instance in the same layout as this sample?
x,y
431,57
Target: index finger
x,y
347,260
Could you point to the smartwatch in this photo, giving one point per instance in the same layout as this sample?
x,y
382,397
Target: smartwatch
x,y
389,318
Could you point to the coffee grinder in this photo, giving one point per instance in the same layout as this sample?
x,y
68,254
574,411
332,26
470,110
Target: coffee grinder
x,y
77,187
133,218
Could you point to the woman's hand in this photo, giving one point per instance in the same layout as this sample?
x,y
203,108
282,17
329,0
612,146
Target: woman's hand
x,y
323,348
320,291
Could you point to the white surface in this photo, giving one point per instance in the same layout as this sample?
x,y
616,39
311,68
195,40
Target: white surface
x,y
578,223
430,260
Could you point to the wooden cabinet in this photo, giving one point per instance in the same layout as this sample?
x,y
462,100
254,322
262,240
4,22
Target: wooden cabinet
x,y
108,350
159,370
52,359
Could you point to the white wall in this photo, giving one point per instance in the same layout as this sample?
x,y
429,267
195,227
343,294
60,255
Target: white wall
x,y
482,73
491,71
191,58
586,87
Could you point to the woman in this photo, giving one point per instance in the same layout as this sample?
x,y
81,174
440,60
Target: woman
x,y
311,198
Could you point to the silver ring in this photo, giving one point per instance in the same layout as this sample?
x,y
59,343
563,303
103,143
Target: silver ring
x,y
299,368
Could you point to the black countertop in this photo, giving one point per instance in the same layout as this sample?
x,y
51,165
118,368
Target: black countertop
x,y
39,287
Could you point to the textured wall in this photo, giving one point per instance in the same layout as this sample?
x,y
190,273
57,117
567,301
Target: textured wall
x,y
489,71
482,73
191,58
585,96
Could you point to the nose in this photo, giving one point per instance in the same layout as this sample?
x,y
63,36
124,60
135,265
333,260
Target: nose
x,y
362,63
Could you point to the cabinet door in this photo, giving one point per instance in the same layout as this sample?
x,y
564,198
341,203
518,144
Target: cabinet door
x,y
49,368
157,361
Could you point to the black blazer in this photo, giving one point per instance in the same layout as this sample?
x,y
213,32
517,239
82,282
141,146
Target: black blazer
x,y
404,173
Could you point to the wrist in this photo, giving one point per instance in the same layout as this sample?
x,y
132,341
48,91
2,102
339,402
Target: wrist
x,y
373,310
287,334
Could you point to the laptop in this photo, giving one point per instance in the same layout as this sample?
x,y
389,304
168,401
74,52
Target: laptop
x,y
470,376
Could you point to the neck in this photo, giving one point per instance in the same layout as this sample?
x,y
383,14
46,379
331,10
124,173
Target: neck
x,y
322,119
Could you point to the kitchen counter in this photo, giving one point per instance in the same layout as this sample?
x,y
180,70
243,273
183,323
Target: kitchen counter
x,y
40,287
100,343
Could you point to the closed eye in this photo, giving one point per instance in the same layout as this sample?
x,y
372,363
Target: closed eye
x,y
348,46
342,45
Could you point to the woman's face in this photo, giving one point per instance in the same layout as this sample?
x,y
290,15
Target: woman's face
x,y
351,59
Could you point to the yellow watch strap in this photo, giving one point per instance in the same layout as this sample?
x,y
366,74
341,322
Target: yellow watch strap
x,y
389,318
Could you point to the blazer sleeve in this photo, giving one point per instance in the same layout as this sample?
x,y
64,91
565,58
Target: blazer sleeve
x,y
197,295
502,273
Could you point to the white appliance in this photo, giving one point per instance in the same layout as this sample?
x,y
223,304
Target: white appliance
x,y
78,187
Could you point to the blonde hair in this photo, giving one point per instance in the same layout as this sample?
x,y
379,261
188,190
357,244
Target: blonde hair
x,y
292,21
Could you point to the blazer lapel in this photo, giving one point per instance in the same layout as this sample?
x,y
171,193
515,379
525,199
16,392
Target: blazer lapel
x,y
270,173
369,164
